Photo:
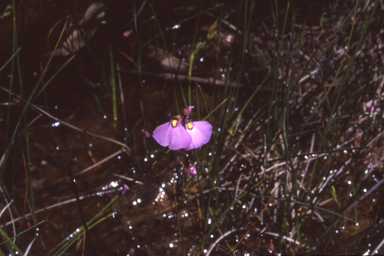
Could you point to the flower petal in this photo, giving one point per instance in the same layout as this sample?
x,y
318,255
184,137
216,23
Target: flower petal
x,y
179,138
162,134
175,137
200,132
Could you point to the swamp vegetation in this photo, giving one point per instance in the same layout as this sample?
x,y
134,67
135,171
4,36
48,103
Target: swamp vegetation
x,y
293,91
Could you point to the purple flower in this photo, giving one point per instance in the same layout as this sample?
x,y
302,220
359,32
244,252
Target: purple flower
x,y
200,132
172,134
125,189
192,170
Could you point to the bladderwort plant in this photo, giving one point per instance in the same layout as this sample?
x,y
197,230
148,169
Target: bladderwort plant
x,y
280,155
192,136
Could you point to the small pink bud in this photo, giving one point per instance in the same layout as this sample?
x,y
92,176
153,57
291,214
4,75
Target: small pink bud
x,y
187,111
125,189
271,247
127,33
147,134
192,170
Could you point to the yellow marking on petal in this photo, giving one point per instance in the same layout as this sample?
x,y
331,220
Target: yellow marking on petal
x,y
189,126
174,123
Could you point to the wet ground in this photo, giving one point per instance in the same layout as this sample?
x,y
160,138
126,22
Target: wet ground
x,y
244,197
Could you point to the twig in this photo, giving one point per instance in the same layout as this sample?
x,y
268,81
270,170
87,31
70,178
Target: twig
x,y
241,240
237,186
376,251
5,208
229,162
92,166
284,237
99,163
311,151
29,247
13,55
126,178
221,238
84,236
10,214
321,186
128,151
201,80
261,217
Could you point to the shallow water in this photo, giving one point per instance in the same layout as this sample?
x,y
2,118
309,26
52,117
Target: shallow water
x,y
169,212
